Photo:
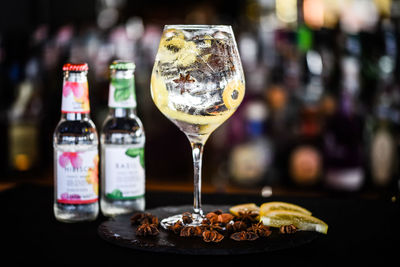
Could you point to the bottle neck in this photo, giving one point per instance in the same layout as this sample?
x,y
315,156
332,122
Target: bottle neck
x,y
75,95
122,112
75,116
122,90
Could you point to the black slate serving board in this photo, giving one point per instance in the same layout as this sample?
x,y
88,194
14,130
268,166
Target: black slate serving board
x,y
120,232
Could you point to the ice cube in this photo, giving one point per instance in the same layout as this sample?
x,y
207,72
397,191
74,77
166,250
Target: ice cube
x,y
170,33
221,35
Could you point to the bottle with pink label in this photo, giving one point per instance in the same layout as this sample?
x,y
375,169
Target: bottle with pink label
x,y
76,156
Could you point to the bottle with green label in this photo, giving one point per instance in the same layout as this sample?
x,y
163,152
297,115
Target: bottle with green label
x,y
122,146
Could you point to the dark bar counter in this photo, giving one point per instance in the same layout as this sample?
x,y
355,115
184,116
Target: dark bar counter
x,y
361,230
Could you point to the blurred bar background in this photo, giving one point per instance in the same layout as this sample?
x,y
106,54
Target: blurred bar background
x,y
321,112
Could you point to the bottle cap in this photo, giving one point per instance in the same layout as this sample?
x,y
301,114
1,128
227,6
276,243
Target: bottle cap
x,y
75,67
122,65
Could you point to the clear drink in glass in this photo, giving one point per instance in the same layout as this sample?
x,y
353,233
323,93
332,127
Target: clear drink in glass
x,y
198,83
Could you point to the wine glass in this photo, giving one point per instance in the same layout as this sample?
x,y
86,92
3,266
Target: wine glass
x,y
197,82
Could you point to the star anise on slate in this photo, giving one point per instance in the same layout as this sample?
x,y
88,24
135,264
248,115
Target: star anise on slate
x,y
176,227
260,229
212,236
143,217
188,231
198,230
236,226
288,229
182,81
218,212
244,236
222,218
146,229
212,226
247,216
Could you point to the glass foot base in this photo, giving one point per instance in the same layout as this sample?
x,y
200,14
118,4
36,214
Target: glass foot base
x,y
169,221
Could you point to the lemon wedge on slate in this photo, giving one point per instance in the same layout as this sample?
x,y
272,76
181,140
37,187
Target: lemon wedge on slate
x,y
302,221
276,205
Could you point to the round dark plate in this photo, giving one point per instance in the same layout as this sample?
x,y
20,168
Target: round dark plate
x,y
120,232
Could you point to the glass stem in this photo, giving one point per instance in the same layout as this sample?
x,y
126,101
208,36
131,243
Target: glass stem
x,y
197,152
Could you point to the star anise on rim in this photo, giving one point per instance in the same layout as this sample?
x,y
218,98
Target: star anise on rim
x,y
244,236
260,229
182,81
146,229
187,217
176,227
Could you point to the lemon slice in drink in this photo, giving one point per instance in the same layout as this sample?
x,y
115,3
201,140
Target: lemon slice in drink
x,y
276,205
159,91
247,207
171,44
233,94
188,54
302,221
160,96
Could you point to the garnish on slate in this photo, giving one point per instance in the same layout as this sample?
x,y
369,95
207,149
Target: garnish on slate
x,y
218,225
244,236
288,229
143,217
212,236
260,229
146,229
148,224
248,216
245,222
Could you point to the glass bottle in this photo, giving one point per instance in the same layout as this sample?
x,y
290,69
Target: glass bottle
x,y
250,161
122,146
305,159
384,122
343,135
24,124
76,156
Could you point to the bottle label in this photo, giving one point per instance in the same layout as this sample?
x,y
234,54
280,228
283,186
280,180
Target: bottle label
x,y
124,172
77,177
122,93
75,97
